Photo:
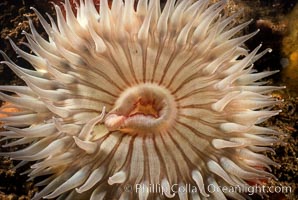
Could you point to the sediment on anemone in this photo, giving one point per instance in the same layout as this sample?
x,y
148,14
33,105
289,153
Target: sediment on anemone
x,y
139,95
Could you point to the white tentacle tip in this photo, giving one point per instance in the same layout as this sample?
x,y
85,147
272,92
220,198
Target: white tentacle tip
x,y
166,186
89,147
118,177
78,190
197,177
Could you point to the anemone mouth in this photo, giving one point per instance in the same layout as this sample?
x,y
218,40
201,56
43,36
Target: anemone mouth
x,y
144,109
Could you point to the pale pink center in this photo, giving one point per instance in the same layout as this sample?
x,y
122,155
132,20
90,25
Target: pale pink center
x,y
145,108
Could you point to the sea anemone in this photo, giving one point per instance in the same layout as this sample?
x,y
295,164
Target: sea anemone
x,y
140,94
